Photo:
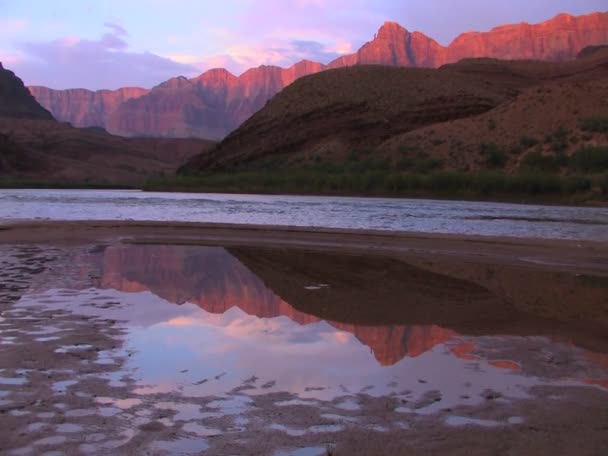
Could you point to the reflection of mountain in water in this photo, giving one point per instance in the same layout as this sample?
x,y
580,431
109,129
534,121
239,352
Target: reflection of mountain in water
x,y
216,281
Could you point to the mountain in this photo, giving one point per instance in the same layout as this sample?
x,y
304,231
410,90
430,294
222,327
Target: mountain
x,y
34,146
207,106
84,108
16,101
217,102
10,155
408,116
557,40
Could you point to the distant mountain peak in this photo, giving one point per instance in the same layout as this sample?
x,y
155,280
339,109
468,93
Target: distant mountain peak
x,y
391,25
215,76
175,83
219,101
219,72
390,29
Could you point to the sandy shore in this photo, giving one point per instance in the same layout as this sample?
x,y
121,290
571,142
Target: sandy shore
x,y
571,256
63,386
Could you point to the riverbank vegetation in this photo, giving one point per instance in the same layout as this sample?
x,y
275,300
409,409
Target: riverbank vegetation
x,y
537,175
527,185
7,182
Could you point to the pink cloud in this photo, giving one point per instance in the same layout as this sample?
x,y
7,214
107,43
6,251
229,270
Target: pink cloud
x,y
103,63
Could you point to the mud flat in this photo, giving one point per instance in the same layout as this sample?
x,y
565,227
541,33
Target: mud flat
x,y
148,338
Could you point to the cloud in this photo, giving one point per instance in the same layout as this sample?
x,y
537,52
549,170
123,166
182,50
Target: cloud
x,y
238,58
188,37
103,63
118,30
280,52
312,50
283,53
7,59
11,25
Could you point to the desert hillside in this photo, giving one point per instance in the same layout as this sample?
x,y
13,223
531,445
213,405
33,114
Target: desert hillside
x,y
476,114
36,148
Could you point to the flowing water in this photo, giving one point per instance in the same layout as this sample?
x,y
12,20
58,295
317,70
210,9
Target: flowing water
x,y
430,216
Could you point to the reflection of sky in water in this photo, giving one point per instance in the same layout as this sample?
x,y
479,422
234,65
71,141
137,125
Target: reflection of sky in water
x,y
221,347
313,361
186,349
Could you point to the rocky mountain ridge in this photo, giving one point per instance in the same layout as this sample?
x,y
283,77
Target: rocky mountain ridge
x,y
406,117
34,147
216,102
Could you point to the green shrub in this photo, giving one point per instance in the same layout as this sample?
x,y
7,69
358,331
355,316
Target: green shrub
x,y
603,184
535,184
559,145
595,124
590,159
369,164
446,181
516,149
575,184
528,141
353,156
494,155
383,182
487,183
561,133
536,161
420,165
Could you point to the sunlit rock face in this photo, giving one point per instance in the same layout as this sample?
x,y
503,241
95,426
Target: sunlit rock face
x,y
208,106
217,102
216,281
393,45
81,107
558,39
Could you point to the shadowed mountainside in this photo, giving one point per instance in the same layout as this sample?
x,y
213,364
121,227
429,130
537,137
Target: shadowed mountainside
x,y
34,147
16,101
217,102
401,115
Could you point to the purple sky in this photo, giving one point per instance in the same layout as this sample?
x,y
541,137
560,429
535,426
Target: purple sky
x,y
111,43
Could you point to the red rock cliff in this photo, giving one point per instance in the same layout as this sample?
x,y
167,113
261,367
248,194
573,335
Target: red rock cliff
x,y
558,39
81,107
217,102
209,106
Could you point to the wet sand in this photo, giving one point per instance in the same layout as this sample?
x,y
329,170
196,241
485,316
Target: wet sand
x,y
59,389
568,256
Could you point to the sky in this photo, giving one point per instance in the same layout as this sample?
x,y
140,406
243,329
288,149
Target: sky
x,y
108,44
